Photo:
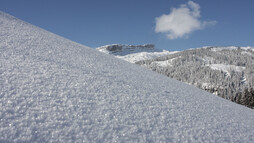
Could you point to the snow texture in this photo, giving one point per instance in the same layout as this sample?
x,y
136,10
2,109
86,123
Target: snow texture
x,y
55,90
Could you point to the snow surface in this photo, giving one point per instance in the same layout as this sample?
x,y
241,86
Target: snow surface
x,y
55,90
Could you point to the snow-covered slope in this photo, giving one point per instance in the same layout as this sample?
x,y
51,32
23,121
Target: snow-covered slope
x,y
224,71
226,68
122,50
134,53
55,90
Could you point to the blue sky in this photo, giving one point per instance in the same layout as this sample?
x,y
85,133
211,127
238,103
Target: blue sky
x,y
169,24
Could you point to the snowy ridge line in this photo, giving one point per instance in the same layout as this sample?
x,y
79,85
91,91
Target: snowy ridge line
x,y
220,48
94,97
134,53
122,50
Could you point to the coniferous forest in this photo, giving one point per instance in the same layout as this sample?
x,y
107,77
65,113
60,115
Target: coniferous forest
x,y
226,72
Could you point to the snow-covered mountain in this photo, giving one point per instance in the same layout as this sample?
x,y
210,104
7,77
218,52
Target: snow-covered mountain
x,y
55,90
224,71
133,53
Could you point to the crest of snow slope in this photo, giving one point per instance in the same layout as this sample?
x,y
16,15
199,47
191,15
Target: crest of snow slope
x,y
132,53
55,90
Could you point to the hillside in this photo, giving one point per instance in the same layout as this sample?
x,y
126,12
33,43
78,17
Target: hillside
x,y
133,53
224,71
55,90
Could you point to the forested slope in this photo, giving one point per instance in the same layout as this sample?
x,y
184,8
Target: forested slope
x,y
224,71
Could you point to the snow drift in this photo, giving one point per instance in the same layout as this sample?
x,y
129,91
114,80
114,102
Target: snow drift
x,y
55,90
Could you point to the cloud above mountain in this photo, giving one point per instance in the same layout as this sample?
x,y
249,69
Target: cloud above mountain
x,y
182,21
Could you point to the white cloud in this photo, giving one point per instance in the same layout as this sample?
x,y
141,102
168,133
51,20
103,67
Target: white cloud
x,y
181,21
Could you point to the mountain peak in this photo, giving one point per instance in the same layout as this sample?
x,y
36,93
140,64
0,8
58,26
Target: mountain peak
x,y
133,53
123,49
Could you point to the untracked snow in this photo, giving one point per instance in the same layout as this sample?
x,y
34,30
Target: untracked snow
x,y
55,90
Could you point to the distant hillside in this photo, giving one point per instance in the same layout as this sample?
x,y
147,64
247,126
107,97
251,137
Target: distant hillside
x,y
133,53
224,71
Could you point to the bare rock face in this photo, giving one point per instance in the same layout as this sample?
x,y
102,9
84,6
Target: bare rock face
x,y
114,47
